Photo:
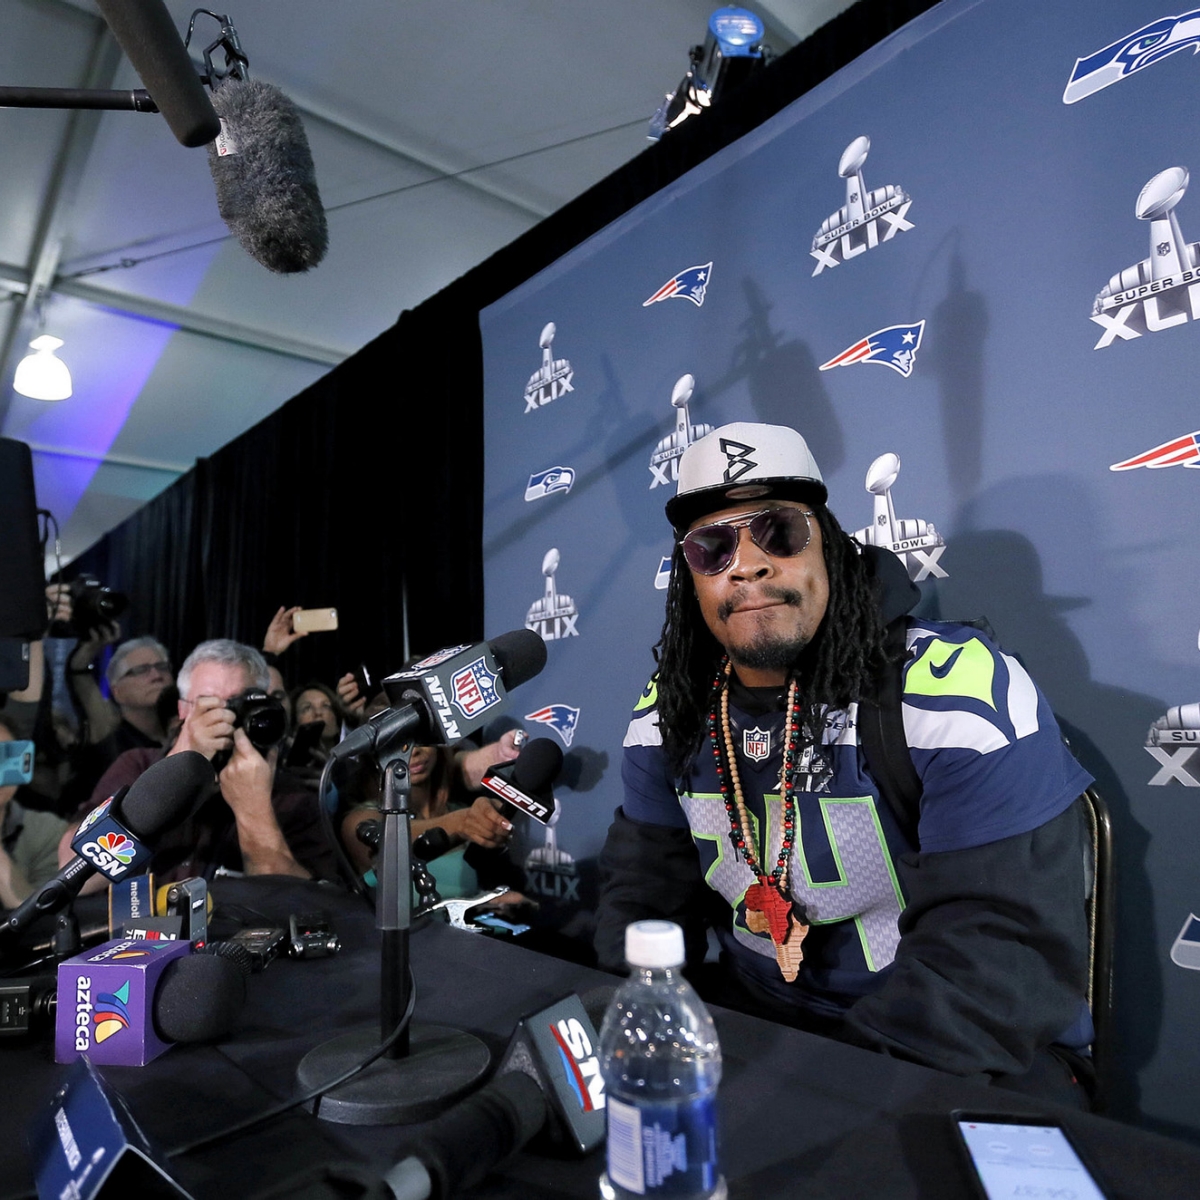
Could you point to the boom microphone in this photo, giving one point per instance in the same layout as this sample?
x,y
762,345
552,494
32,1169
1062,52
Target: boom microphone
x,y
526,782
145,31
263,171
448,695
160,798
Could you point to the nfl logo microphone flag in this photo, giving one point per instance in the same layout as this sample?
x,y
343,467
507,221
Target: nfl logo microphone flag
x,y
997,212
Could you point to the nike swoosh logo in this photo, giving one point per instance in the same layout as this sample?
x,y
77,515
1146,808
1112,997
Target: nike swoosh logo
x,y
946,667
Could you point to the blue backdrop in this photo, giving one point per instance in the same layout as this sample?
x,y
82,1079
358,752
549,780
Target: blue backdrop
x,y
986,327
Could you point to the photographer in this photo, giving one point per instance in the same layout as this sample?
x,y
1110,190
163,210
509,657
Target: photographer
x,y
256,821
138,673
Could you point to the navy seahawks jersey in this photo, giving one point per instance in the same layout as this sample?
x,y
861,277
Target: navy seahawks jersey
x,y
992,764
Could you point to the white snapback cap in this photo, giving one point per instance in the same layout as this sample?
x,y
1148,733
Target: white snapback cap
x,y
744,461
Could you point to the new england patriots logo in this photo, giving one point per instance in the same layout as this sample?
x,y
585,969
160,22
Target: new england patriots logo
x,y
562,718
687,285
1132,53
895,347
1183,451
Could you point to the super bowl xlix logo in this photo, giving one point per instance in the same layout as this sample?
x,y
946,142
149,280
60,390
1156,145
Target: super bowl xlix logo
x,y
917,542
1172,742
551,873
552,379
553,617
1163,290
664,462
867,218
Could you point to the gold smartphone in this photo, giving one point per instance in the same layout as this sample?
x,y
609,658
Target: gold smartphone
x,y
314,620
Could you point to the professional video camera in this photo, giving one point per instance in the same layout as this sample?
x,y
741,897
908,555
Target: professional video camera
x,y
92,605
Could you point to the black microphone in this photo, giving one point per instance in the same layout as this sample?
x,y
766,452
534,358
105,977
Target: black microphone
x,y
433,843
548,1083
526,782
200,998
264,175
449,694
145,31
160,798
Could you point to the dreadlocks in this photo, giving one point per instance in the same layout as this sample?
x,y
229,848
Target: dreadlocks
x,y
837,667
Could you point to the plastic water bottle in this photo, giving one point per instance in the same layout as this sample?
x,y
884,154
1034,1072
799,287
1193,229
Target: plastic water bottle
x,y
661,1063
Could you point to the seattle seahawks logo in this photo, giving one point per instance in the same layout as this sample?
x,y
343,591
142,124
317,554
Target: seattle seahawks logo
x,y
738,460
1132,53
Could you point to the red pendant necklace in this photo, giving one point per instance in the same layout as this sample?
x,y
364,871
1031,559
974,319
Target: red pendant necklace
x,y
769,906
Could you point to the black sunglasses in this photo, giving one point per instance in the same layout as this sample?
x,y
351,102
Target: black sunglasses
x,y
780,532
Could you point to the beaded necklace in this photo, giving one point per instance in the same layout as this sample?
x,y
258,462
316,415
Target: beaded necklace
x,y
769,906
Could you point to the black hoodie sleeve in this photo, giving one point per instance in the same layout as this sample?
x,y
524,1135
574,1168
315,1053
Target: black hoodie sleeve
x,y
649,871
992,957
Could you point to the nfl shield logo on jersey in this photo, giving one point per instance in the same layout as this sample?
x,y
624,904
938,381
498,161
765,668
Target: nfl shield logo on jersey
x,y
756,744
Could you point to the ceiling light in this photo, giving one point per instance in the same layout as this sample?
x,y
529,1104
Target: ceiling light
x,y
732,52
42,376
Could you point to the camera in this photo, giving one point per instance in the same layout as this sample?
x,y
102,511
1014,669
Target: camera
x,y
261,716
92,605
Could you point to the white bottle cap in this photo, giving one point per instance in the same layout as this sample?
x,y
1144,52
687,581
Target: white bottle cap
x,y
653,944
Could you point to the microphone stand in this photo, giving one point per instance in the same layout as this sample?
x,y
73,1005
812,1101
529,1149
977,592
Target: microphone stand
x,y
428,1067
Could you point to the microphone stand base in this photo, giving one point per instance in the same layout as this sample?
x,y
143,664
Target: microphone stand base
x,y
442,1066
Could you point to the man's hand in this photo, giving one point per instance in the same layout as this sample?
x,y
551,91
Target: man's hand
x,y
476,763
58,603
481,823
246,785
247,777
88,648
280,634
208,728
352,701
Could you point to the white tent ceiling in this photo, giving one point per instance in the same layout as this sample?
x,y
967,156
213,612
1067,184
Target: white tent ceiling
x,y
177,341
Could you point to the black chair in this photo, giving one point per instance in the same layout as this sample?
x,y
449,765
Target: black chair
x,y
1100,909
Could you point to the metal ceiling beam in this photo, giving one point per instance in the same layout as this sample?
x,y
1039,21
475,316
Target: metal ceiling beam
x,y
117,460
193,322
16,279
57,202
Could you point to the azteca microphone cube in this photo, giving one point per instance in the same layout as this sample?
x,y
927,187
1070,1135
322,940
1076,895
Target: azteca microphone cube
x,y
106,1001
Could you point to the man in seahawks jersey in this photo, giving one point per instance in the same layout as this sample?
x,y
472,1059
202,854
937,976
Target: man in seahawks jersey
x,y
750,807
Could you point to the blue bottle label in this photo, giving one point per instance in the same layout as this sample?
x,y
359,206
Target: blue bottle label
x,y
663,1149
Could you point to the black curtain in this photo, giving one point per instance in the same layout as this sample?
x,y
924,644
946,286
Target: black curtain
x,y
368,485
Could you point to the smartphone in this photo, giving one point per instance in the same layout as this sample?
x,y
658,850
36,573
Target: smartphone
x,y
1023,1156
362,681
308,736
314,620
16,763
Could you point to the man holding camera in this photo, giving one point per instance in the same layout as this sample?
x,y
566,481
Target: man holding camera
x,y
257,821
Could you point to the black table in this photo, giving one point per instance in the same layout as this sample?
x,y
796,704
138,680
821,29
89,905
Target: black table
x,y
800,1115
